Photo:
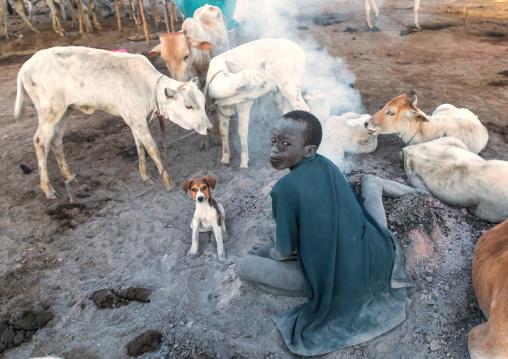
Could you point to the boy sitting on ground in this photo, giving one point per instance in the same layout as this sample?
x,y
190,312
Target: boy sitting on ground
x,y
328,247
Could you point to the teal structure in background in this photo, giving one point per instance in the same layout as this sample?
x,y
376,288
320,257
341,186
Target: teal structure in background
x,y
187,7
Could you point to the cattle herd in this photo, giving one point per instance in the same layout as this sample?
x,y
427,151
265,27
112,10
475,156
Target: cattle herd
x,y
440,158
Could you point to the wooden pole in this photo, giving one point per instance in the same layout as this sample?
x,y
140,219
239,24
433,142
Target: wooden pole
x,y
118,16
166,16
80,16
144,21
172,16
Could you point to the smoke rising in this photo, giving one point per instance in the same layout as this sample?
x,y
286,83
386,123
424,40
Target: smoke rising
x,y
329,74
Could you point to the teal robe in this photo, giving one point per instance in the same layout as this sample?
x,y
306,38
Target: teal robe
x,y
353,267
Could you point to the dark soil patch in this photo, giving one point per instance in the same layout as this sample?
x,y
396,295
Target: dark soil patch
x,y
14,59
498,83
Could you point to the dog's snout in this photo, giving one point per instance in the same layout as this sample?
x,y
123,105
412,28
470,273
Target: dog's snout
x,y
200,198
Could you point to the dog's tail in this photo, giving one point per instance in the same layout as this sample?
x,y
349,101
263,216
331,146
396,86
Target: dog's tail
x,y
19,109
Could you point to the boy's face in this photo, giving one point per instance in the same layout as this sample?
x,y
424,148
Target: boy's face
x,y
288,144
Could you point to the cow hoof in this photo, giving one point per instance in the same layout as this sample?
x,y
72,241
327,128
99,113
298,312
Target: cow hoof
x,y
52,194
202,148
192,254
374,29
222,258
416,28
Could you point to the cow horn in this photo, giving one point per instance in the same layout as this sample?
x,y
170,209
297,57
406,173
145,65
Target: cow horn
x,y
413,94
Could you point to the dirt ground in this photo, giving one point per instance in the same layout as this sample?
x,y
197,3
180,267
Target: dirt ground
x,y
54,255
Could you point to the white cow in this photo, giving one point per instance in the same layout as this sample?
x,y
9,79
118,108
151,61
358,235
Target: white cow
x,y
239,76
401,116
459,177
122,84
345,133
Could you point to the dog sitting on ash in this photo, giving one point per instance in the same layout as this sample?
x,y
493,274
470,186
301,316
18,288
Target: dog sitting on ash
x,y
209,215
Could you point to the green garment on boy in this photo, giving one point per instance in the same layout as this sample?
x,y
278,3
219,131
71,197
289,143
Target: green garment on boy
x,y
353,267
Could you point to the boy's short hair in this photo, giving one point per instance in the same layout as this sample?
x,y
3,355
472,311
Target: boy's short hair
x,y
313,132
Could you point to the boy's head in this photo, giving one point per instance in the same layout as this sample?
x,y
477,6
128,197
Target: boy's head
x,y
296,136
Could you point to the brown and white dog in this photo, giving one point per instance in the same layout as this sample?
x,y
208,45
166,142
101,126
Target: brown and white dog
x,y
209,215
489,340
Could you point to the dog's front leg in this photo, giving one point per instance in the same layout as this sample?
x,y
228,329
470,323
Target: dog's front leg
x,y
195,242
220,245
222,214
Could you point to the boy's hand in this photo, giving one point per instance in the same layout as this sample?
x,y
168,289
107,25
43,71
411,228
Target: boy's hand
x,y
262,250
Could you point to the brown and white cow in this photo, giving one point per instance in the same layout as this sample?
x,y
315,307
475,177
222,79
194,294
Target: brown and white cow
x,y
188,53
489,340
401,116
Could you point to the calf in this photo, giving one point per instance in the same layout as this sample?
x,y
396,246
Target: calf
x,y
401,116
239,76
345,133
490,282
118,83
460,178
188,53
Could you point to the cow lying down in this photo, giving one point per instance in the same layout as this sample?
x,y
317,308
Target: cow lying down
x,y
401,116
344,133
490,281
122,84
459,177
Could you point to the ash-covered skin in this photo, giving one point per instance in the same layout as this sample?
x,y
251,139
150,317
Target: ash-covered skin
x,y
288,144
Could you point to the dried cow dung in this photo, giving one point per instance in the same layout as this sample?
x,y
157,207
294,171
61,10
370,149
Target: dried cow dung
x,y
135,293
105,298
32,321
22,328
146,342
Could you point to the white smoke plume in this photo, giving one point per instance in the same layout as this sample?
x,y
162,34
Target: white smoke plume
x,y
329,74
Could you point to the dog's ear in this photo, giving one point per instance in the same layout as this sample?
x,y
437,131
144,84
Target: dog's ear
x,y
211,181
187,185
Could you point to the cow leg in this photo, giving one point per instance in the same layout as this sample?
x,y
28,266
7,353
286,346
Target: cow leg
x,y
142,162
5,16
243,130
374,7
416,7
140,131
42,141
20,9
224,131
85,17
374,188
57,27
290,98
367,14
57,146
94,16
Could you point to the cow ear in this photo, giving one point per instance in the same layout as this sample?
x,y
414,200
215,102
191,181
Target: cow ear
x,y
156,51
195,80
241,89
232,67
201,45
420,117
187,185
169,93
211,181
